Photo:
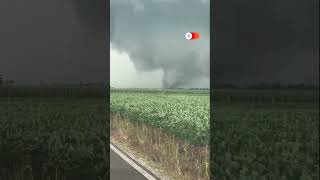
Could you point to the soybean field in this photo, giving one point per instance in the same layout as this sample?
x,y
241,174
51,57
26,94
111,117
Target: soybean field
x,y
265,134
53,138
254,134
185,115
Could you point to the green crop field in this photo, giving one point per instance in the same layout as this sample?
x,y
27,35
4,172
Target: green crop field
x,y
255,134
186,115
265,134
265,141
53,138
170,127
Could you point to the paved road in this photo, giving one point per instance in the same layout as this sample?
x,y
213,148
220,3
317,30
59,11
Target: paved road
x,y
121,170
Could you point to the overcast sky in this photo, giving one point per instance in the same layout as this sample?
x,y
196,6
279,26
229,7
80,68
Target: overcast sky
x,y
54,41
125,75
148,45
67,41
272,41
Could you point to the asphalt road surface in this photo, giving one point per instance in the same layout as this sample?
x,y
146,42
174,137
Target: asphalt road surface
x,y
121,170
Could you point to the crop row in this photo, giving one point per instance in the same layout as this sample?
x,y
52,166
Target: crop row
x,y
253,138
51,138
53,91
185,116
265,141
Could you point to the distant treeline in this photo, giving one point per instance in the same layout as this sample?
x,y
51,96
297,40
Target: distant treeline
x,y
163,91
53,91
233,86
219,94
266,95
266,86
241,95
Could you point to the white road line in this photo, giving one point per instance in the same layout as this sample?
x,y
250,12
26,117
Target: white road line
x,y
133,164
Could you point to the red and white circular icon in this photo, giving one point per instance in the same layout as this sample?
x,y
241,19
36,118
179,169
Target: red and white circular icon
x,y
192,35
188,35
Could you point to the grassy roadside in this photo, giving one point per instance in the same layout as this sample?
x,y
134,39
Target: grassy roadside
x,y
179,160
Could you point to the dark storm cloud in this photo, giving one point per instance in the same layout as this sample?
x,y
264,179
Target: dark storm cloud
x,y
255,41
266,41
152,33
55,41
92,14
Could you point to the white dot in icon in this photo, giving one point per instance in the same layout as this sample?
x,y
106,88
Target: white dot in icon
x,y
188,35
